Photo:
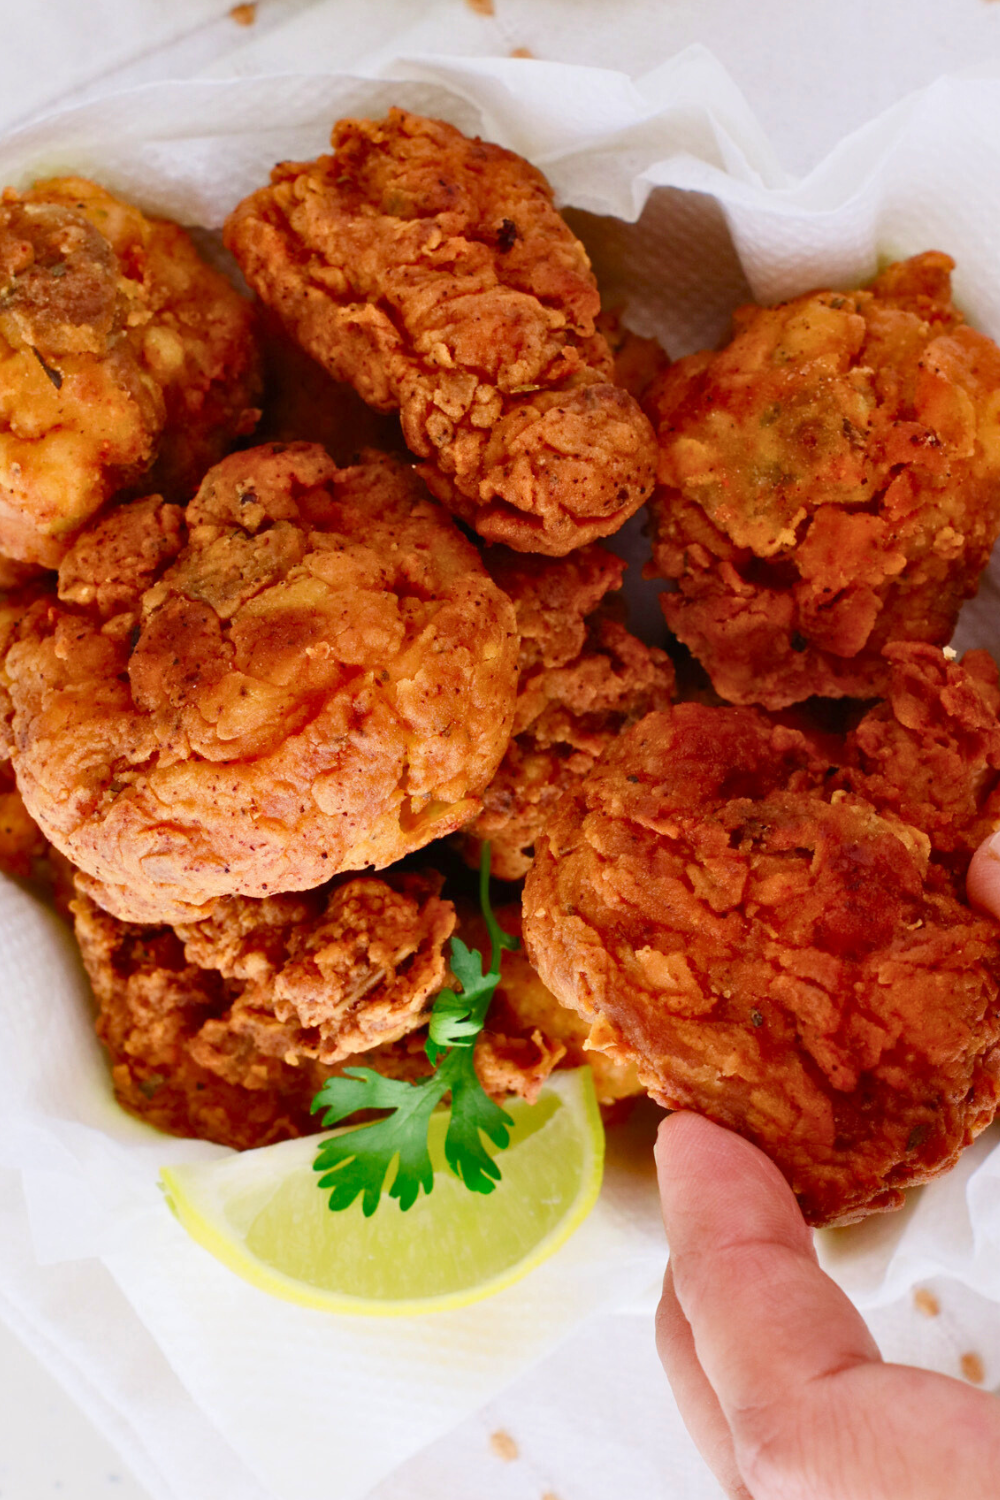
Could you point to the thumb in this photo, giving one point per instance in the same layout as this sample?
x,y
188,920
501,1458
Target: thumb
x,y
982,884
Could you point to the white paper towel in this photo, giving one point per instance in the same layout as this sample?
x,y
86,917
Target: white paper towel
x,y
676,155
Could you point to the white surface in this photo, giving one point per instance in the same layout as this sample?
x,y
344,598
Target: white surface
x,y
811,70
566,1443
48,1448
809,84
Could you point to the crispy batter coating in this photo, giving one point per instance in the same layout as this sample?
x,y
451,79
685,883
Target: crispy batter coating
x,y
22,844
582,679
930,755
828,482
433,273
226,1028
123,356
306,671
781,942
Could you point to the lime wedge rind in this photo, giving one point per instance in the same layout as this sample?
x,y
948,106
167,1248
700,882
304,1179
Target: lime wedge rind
x,y
263,1215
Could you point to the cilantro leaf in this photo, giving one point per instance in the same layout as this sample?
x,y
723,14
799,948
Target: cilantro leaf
x,y
457,1020
361,1160
472,1111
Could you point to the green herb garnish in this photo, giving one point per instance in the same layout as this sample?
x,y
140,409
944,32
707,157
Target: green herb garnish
x,y
359,1161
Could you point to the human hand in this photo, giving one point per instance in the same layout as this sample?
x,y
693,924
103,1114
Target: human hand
x,y
779,1381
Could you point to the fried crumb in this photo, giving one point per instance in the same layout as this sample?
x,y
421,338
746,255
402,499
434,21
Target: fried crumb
x,y
550,1495
925,1302
482,7
243,15
972,1368
504,1446
522,52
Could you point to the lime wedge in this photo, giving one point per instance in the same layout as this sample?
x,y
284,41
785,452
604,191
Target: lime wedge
x,y
263,1214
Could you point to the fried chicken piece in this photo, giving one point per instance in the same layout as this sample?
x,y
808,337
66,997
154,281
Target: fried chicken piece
x,y
783,943
930,755
306,671
433,273
225,1029
302,403
123,357
582,679
828,482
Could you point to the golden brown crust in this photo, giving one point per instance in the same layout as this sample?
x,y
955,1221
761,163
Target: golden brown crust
x,y
79,416
123,356
225,1029
23,846
828,482
306,671
582,679
433,273
191,331
773,945
930,755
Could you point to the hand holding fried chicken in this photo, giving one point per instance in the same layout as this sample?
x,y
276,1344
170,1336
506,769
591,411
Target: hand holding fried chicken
x,y
777,1377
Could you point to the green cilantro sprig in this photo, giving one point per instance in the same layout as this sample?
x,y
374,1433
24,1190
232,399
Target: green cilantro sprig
x,y
359,1161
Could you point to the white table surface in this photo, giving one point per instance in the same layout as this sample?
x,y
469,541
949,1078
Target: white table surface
x,y
47,1447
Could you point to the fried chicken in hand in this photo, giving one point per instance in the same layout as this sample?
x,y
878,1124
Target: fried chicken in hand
x,y
828,482
772,924
433,273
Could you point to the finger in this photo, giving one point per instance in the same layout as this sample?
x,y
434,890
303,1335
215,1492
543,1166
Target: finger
x,y
811,1408
695,1398
764,1318
982,883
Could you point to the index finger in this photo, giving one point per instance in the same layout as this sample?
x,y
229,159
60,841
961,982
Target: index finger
x,y
766,1320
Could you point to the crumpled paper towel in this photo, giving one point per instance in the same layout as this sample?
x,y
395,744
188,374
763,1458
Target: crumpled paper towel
x,y
666,172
